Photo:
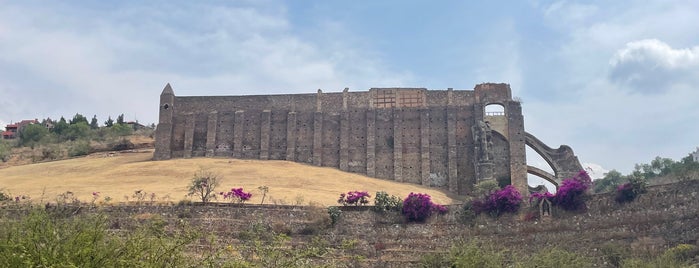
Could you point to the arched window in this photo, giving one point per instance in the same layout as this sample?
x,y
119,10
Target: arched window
x,y
494,109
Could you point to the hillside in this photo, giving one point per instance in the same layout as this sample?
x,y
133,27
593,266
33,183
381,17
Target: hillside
x,y
119,175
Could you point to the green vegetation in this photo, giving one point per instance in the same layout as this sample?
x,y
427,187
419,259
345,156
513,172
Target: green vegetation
x,y
5,151
56,139
48,239
651,173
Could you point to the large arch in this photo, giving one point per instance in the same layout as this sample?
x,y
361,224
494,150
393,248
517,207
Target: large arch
x,y
562,160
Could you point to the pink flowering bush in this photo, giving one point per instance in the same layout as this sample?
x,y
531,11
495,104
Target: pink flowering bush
x,y
356,198
236,195
417,207
571,195
505,200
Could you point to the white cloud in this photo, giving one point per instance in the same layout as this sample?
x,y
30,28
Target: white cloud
x,y
652,66
90,60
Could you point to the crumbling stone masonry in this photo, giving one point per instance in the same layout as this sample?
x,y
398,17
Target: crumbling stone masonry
x,y
438,138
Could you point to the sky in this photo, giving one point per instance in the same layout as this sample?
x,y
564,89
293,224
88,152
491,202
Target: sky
x,y
615,80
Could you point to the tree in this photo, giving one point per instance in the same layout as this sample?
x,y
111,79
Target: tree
x,y
78,118
93,123
120,119
77,131
31,134
203,185
611,180
121,130
60,127
109,122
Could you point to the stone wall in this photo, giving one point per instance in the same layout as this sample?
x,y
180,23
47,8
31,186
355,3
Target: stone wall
x,y
410,135
665,216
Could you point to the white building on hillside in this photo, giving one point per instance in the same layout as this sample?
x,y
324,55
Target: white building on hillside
x,y
695,155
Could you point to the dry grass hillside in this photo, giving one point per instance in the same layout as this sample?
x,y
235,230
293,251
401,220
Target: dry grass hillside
x,y
119,175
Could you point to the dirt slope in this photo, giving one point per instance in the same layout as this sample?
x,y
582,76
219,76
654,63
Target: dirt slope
x,y
119,175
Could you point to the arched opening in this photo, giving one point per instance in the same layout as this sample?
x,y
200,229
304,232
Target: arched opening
x,y
494,109
539,171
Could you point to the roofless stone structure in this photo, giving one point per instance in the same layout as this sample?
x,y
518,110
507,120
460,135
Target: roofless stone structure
x,y
451,139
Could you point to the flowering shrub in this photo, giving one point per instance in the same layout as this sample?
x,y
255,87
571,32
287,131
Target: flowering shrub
x,y
236,195
540,196
572,193
506,200
628,192
418,207
356,198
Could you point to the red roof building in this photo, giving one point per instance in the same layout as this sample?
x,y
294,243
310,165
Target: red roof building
x,y
12,130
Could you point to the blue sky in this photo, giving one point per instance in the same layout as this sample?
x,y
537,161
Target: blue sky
x,y
616,80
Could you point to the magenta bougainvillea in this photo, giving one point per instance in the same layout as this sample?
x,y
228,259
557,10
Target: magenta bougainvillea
x,y
505,200
417,207
356,198
236,195
571,195
625,193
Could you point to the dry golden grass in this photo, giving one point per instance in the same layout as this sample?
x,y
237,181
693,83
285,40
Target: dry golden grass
x,y
122,174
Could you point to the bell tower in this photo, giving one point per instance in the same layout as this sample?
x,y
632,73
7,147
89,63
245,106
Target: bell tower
x,y
163,133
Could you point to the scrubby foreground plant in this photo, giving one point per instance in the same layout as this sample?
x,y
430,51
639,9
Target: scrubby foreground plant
x,y
41,239
203,185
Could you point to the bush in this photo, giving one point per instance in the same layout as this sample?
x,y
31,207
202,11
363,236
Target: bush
x,y
417,207
475,255
42,240
79,148
628,192
554,258
506,200
236,195
384,202
122,144
484,188
335,214
203,185
356,198
5,196
5,151
572,194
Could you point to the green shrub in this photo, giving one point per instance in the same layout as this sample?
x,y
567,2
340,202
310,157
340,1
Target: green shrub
x,y
384,202
5,151
614,253
475,255
79,148
41,240
335,214
484,188
5,196
51,152
556,258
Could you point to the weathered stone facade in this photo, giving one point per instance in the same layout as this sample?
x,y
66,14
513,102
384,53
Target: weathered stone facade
x,y
439,138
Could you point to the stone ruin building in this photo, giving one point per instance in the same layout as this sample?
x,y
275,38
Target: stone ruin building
x,y
437,138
